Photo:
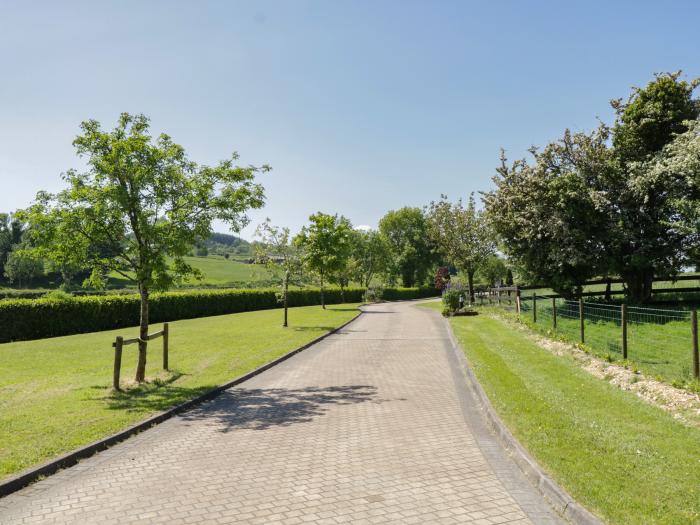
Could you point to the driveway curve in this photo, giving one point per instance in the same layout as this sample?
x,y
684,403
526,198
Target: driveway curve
x,y
374,424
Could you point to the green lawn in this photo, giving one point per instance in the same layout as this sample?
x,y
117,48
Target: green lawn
x,y
55,394
625,460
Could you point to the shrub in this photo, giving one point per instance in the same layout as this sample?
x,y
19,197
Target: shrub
x,y
55,316
453,298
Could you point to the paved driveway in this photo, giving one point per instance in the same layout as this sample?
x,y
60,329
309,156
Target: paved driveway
x,y
372,425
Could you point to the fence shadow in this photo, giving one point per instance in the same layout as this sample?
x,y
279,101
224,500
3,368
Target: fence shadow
x,y
262,408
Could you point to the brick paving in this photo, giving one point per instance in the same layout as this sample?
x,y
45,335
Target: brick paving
x,y
372,425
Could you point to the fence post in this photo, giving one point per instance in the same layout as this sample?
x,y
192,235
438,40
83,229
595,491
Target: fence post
x,y
623,323
165,346
517,302
119,343
580,315
554,313
534,308
696,358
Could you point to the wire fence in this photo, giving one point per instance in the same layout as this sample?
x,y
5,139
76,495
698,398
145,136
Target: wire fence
x,y
659,342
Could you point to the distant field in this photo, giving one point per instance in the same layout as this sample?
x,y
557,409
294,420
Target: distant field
x,y
217,271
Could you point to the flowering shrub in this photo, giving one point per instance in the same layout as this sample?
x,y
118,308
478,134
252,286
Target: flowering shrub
x,y
442,277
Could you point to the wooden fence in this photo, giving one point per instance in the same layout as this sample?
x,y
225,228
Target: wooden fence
x,y
120,343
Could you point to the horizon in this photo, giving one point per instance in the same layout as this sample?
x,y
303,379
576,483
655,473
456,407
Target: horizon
x,y
359,109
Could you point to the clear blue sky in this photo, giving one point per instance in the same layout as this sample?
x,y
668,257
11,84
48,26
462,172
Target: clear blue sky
x,y
360,107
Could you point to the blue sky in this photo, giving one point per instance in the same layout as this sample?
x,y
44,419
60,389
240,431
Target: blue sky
x,y
360,107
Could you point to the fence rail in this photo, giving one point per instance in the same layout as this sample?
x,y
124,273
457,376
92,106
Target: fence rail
x,y
120,343
662,342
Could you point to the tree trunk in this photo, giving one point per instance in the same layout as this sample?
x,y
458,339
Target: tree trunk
x,y
286,289
639,285
470,279
608,287
143,335
323,300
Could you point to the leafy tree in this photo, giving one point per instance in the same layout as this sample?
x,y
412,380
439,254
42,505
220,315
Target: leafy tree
x,y
326,246
22,267
442,277
462,235
138,209
282,257
11,231
370,255
410,250
548,214
493,270
641,244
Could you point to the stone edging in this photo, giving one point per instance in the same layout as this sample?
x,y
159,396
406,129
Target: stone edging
x,y
24,478
556,496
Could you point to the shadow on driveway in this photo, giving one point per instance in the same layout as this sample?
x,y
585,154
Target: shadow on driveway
x,y
262,408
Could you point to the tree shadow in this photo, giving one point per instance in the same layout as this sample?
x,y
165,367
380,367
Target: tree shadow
x,y
262,408
313,328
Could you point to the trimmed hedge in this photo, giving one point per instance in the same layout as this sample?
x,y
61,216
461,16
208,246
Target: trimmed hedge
x,y
22,319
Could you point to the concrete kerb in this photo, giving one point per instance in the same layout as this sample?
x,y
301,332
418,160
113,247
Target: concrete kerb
x,y
26,477
556,496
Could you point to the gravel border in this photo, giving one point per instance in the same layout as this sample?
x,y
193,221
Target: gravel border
x,y
26,477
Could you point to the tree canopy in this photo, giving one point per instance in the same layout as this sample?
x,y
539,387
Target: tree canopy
x,y
138,209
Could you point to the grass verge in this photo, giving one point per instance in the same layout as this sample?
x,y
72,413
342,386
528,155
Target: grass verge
x,y
625,460
55,394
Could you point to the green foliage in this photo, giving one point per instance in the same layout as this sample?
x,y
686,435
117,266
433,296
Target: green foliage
x,y
49,317
22,267
493,271
11,231
138,209
462,235
369,255
325,245
584,208
452,299
411,252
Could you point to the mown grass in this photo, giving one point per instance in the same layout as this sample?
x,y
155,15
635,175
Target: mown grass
x,y
625,460
55,394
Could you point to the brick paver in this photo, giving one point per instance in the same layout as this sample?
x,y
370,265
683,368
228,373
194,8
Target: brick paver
x,y
372,425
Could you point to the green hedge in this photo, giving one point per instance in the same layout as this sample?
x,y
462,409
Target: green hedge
x,y
22,319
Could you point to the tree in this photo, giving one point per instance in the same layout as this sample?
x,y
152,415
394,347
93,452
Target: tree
x,y
550,216
325,244
442,277
641,244
370,255
281,257
11,231
493,271
22,267
410,250
138,209
462,235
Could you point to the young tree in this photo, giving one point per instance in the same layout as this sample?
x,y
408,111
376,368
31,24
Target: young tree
x,y
370,255
493,270
325,244
410,250
462,235
138,209
281,256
